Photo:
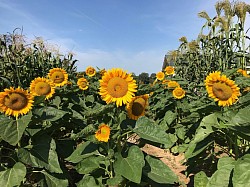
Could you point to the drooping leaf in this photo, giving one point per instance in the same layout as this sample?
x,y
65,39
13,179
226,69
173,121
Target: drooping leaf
x,y
221,176
242,117
12,130
115,181
131,166
53,181
82,151
13,176
86,181
159,172
42,155
150,131
89,164
241,175
50,113
200,179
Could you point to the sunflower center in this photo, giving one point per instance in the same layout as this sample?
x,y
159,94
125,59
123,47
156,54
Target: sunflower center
x,y
117,87
103,131
83,84
57,77
222,91
42,88
138,106
179,92
16,101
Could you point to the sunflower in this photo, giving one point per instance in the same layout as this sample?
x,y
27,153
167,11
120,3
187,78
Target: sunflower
x,y
243,72
58,76
15,102
42,86
103,132
83,83
222,89
160,75
169,70
173,84
178,93
117,86
136,107
165,81
90,71
102,72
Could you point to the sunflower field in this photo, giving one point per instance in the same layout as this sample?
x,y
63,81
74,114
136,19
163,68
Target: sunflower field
x,y
62,127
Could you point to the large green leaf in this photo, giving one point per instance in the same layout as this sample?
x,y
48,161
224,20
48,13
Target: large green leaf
x,y
87,181
221,177
53,181
82,151
89,164
50,113
241,177
159,172
42,155
12,130
200,179
131,166
146,129
13,176
242,117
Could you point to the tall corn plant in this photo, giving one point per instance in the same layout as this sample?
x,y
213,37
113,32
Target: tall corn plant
x,y
20,62
221,44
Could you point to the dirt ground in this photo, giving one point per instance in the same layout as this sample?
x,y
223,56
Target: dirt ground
x,y
172,161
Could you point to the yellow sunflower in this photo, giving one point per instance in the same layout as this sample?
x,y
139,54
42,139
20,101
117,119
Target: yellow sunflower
x,y
103,132
42,86
102,72
243,72
90,71
178,93
222,89
169,70
58,76
173,84
117,86
15,102
83,83
136,107
160,75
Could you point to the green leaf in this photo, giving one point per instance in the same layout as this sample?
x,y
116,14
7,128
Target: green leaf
x,y
241,176
205,128
150,131
50,113
200,179
89,164
13,176
90,98
53,181
56,101
83,150
221,176
87,181
131,166
12,130
242,117
169,117
159,172
42,155
115,181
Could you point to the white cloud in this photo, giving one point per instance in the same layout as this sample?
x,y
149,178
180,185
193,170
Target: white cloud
x,y
144,61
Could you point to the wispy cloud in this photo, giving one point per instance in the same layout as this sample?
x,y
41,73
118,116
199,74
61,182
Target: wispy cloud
x,y
80,14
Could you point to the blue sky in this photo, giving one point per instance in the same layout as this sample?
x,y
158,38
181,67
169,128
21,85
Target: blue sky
x,y
130,34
